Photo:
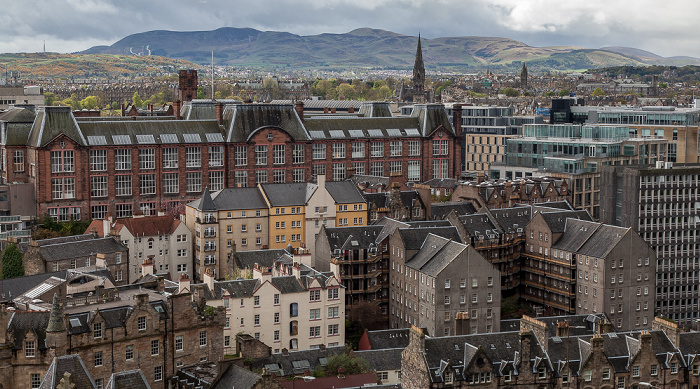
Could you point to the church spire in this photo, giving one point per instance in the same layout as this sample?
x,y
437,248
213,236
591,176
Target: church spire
x,y
56,323
419,70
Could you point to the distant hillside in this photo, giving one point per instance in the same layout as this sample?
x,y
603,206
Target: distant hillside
x,y
51,65
371,48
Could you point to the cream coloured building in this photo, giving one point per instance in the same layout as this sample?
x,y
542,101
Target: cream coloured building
x,y
288,306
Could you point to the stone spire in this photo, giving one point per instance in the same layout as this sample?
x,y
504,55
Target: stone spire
x,y
56,323
419,70
523,77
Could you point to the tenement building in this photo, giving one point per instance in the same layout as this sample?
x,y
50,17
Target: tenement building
x,y
141,329
661,203
91,167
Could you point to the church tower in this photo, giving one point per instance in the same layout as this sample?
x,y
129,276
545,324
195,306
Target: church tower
x,y
419,74
523,78
188,85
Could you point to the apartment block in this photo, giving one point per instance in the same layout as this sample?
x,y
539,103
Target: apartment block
x,y
434,278
661,203
164,240
287,306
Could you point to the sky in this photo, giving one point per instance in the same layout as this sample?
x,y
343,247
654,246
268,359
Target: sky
x,y
666,28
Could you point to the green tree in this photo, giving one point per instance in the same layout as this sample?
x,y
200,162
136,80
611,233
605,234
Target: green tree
x,y
73,102
136,100
12,262
550,94
49,98
598,92
91,102
348,362
346,92
564,92
200,93
661,85
510,92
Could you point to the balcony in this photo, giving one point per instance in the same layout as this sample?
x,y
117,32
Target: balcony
x,y
209,247
206,220
209,234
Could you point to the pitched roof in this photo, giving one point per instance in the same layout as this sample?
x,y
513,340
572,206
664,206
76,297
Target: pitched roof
x,y
265,258
576,233
603,240
235,199
436,253
80,249
246,119
22,322
282,195
237,377
388,339
285,363
150,225
132,379
288,284
206,204
235,288
344,192
71,364
556,221
441,210
352,238
431,116
413,238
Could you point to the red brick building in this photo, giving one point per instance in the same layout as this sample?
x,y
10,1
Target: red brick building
x,y
91,167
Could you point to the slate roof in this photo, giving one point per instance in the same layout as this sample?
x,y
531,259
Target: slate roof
x,y
80,249
375,109
449,183
344,192
128,379
562,205
23,321
283,195
369,180
52,122
510,219
353,238
285,362
436,253
576,233
160,131
578,324
206,204
13,287
235,199
235,288
288,284
114,317
388,339
379,200
603,240
389,226
352,127
556,221
477,224
244,120
71,364
237,377
431,116
441,210
18,114
265,258
413,238
198,110
428,223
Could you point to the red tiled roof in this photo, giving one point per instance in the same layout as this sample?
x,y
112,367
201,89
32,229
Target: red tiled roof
x,y
149,225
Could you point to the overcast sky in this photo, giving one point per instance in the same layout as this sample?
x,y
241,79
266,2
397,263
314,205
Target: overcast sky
x,y
667,28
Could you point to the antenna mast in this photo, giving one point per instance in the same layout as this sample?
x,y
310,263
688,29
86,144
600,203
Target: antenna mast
x,y
212,75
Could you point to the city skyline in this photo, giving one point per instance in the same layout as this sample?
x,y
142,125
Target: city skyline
x,y
70,25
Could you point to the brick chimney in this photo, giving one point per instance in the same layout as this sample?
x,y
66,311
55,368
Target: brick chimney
x,y
299,107
351,109
671,329
220,113
177,105
123,109
325,110
457,119
563,329
150,108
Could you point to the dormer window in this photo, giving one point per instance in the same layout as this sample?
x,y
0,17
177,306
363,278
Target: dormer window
x,y
29,348
449,378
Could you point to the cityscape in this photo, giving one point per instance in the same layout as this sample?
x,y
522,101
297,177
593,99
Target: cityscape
x,y
248,216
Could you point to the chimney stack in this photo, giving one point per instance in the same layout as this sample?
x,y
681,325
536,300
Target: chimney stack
x,y
220,113
183,284
299,107
177,106
351,109
457,119
123,109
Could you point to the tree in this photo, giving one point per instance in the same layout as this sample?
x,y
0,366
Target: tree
x,y
564,92
73,102
12,262
136,100
550,94
598,92
661,85
348,362
49,98
200,93
510,92
91,102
